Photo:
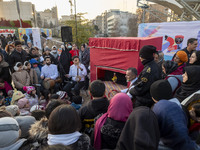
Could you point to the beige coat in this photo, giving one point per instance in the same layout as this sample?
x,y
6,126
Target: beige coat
x,y
33,76
21,79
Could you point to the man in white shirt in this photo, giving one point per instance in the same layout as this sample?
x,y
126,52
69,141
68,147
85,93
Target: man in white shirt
x,y
78,72
49,72
131,76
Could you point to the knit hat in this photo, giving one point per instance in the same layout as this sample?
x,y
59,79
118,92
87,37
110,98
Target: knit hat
x,y
16,96
28,89
62,94
147,52
36,107
22,102
182,56
25,123
161,90
9,131
13,109
33,61
18,43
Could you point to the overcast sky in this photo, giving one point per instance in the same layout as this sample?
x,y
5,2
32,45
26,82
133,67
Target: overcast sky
x,y
92,7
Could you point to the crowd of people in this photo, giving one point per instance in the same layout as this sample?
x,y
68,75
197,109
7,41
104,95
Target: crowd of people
x,y
41,106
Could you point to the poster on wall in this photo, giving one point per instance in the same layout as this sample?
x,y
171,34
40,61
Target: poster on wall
x,y
5,32
36,38
175,34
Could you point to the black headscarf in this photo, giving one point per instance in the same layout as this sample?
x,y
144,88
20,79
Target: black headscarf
x,y
170,66
141,131
191,85
197,62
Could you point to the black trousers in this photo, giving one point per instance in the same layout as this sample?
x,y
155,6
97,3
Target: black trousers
x,y
73,84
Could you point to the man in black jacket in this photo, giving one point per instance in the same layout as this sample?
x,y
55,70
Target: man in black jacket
x,y
191,47
18,55
98,104
150,73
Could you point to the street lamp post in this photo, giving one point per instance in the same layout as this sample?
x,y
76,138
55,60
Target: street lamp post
x,y
75,20
18,10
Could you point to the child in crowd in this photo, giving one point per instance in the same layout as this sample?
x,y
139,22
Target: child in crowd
x,y
76,102
37,111
195,119
20,77
24,106
31,95
4,87
8,99
63,96
35,65
16,96
13,109
32,73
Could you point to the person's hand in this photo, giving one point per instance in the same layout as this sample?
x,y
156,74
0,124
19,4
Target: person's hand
x,y
79,68
46,79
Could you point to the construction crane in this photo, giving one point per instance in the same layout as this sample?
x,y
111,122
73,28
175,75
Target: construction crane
x,y
71,5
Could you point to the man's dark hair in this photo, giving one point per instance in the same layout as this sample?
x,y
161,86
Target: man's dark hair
x,y
97,88
133,70
191,41
18,43
64,120
47,58
51,106
74,57
2,80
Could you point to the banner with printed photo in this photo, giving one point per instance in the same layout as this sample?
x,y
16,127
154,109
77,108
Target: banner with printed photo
x,y
36,37
175,34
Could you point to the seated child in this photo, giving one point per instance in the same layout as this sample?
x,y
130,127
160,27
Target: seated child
x,y
20,77
63,96
5,87
76,102
8,99
16,96
31,95
24,106
195,127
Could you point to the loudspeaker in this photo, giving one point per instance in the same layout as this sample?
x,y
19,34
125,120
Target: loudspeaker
x,y
66,33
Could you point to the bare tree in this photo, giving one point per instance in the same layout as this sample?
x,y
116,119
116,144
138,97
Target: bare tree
x,y
132,26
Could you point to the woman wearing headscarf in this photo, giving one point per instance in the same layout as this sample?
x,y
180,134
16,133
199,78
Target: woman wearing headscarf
x,y
181,59
190,84
4,70
195,58
141,131
172,74
109,126
173,127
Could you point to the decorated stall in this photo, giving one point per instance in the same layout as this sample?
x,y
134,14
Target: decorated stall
x,y
111,57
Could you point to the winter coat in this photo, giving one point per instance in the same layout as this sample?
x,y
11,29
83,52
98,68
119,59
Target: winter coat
x,y
15,57
93,108
33,76
141,91
21,79
4,71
